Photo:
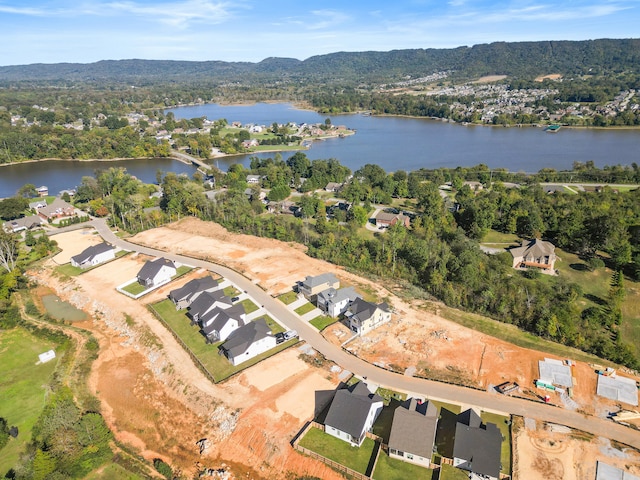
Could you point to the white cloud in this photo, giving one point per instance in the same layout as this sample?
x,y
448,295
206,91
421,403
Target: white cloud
x,y
327,19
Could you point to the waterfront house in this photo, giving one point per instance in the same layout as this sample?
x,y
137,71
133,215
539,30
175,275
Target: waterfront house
x,y
156,272
413,432
56,209
43,191
37,205
183,297
248,341
310,287
334,302
94,255
352,413
253,179
534,253
23,223
365,316
477,446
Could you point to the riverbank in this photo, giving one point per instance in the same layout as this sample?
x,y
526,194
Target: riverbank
x,y
84,160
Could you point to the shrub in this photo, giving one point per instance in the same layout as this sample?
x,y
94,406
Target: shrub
x,y
163,468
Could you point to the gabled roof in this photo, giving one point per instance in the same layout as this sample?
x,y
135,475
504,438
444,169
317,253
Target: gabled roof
x,y
242,338
414,428
480,446
363,310
152,267
192,287
536,248
311,282
350,408
89,253
58,205
24,222
221,318
205,302
331,295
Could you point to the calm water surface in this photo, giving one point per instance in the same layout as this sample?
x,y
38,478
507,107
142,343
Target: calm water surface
x,y
393,143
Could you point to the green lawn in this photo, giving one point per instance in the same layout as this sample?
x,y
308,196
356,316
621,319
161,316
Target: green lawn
x,y
323,322
71,271
304,308
112,471
388,394
249,306
231,291
134,288
497,237
23,387
288,298
501,422
449,472
389,468
355,458
208,355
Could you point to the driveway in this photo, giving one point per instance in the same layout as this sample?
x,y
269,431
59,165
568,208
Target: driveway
x,y
395,381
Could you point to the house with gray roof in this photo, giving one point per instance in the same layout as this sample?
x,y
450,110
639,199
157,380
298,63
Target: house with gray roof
x,y
365,316
206,302
413,432
218,324
184,296
94,255
310,287
156,272
335,302
534,253
23,223
352,413
248,341
56,209
477,446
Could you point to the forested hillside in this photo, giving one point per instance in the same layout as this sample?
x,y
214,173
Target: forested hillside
x,y
522,59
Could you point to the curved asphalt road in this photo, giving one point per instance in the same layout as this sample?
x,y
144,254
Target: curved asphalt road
x,y
428,388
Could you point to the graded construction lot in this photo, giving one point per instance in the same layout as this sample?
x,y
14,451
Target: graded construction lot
x,y
156,400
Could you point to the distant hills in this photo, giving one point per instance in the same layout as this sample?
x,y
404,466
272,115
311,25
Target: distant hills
x,y
520,59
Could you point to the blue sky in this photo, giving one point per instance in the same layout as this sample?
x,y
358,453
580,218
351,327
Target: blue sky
x,y
42,31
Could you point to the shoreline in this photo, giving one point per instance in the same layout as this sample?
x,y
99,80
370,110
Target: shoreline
x,y
106,160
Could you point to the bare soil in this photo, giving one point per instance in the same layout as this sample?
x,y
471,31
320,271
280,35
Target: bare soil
x,y
553,76
545,454
155,399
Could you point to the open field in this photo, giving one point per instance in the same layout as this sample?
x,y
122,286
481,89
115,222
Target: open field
x,y
23,387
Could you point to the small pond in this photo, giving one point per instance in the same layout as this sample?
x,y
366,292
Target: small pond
x,y
61,310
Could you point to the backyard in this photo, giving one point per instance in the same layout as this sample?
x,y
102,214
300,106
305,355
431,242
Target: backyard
x,y
217,365
389,468
355,458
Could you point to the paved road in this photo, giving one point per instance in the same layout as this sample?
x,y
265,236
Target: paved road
x,y
436,390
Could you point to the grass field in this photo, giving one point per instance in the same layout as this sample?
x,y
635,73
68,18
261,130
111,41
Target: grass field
x,y
389,468
112,471
323,322
23,387
288,298
497,237
134,288
355,458
206,353
449,472
304,308
249,306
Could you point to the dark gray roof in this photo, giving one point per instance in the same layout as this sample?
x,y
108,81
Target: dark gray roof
x,y
205,302
414,428
349,409
88,253
191,288
242,338
331,295
25,222
152,267
363,309
479,446
321,279
220,318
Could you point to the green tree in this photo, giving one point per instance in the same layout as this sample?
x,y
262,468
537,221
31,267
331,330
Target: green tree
x,y
13,207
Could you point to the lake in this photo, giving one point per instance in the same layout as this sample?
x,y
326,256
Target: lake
x,y
394,143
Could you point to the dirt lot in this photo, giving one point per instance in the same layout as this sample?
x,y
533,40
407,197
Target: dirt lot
x,y
72,243
553,76
417,336
550,452
157,401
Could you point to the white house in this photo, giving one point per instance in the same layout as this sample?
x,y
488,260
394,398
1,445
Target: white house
x,y
23,223
335,302
352,413
156,272
94,255
365,316
219,323
248,341
184,296
477,446
205,303
312,286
